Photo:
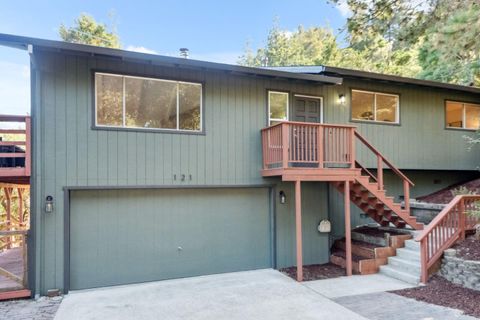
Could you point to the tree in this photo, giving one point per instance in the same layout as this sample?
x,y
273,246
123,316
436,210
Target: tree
x,y
319,46
451,50
87,31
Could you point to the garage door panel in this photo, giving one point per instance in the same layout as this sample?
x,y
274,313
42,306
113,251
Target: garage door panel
x,y
128,236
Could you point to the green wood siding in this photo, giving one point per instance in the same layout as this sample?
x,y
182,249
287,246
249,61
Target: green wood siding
x,y
420,141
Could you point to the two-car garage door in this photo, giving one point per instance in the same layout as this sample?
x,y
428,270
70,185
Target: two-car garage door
x,y
130,236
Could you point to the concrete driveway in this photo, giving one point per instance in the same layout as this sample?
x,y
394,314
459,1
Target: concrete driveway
x,y
260,294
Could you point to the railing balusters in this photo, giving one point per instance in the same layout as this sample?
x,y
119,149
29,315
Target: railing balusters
x,y
448,226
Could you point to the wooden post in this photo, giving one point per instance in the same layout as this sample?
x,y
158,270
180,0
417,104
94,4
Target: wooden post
x,y
461,218
298,229
423,259
352,148
20,207
8,197
406,195
320,146
285,145
380,172
348,231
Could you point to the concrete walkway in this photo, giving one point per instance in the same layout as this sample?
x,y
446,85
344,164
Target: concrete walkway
x,y
261,294
356,285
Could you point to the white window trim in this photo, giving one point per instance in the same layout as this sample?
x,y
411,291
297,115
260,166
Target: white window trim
x,y
288,106
464,115
375,93
124,126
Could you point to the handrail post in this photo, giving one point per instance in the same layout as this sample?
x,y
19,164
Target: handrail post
x,y
461,218
406,194
352,148
380,172
320,146
423,258
285,146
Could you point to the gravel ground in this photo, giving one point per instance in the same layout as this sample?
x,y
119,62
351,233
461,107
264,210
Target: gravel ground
x,y
316,272
469,249
41,309
444,293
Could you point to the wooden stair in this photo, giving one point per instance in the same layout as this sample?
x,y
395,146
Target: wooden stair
x,y
377,205
366,258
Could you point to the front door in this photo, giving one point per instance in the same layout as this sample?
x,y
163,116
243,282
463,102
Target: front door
x,y
307,109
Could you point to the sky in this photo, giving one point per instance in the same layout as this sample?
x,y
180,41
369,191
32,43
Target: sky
x,y
212,30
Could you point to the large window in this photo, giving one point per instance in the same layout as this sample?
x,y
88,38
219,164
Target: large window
x,y
137,102
277,107
374,106
462,115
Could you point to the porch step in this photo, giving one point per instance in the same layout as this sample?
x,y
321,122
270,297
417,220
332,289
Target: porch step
x,y
400,275
409,266
408,254
412,245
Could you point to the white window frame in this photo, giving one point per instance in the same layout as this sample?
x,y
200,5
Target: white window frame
x,y
288,106
464,115
124,126
375,93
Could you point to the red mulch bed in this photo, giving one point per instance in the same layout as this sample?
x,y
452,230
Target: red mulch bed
x,y
316,272
444,293
445,195
469,249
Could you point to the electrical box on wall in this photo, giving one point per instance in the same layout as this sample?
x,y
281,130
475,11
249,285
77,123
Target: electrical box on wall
x,y
324,226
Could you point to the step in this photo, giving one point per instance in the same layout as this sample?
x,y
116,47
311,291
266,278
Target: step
x,y
397,274
412,245
408,254
408,266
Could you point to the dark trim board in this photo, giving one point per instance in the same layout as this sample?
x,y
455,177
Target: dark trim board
x,y
67,198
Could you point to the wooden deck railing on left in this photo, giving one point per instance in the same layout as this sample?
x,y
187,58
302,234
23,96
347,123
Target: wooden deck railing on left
x,y
448,227
15,156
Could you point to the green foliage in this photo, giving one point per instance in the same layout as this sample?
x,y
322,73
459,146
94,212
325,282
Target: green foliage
x,y
87,31
432,39
451,50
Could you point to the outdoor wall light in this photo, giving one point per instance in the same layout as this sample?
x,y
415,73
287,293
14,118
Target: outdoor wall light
x,y
283,197
49,204
341,98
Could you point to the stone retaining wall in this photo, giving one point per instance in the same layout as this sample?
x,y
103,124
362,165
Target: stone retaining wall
x,y
425,212
457,270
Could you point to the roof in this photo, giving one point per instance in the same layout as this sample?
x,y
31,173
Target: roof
x,y
24,43
358,74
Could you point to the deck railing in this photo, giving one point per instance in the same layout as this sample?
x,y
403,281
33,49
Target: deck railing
x,y
307,145
15,156
448,226
323,146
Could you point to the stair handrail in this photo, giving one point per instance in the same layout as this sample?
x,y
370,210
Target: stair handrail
x,y
381,159
443,231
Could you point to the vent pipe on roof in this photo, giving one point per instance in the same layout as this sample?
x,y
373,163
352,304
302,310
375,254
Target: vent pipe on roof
x,y
184,53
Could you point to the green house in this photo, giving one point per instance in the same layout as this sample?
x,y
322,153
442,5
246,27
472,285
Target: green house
x,y
147,167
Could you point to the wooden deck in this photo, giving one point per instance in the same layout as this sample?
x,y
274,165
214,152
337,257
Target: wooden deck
x,y
12,261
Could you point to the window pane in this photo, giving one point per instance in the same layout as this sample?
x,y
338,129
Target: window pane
x,y
454,114
386,108
278,105
472,116
150,103
109,99
190,96
362,105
